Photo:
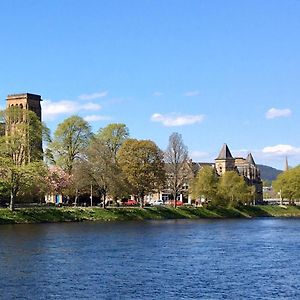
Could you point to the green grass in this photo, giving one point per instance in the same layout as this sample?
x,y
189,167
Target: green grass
x,y
68,214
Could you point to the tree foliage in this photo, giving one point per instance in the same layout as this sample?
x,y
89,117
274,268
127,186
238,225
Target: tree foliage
x,y
71,138
205,185
113,136
288,184
21,166
233,189
141,162
57,180
102,169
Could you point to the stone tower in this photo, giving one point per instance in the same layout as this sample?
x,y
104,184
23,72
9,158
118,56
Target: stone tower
x,y
26,101
30,102
224,162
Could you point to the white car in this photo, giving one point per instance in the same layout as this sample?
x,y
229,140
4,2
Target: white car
x,y
158,203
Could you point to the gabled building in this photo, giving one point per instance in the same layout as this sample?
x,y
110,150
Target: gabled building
x,y
245,167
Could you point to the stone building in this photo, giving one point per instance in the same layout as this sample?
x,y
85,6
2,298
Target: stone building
x,y
29,102
246,167
225,162
26,101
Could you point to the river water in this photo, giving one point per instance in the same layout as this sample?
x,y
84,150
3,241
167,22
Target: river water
x,y
177,259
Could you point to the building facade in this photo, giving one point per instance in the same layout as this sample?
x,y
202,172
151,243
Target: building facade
x,y
245,167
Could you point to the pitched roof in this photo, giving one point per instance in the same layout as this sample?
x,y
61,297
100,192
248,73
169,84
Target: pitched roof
x,y
224,153
250,159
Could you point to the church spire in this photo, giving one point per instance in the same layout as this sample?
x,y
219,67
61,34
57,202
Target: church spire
x,y
224,153
286,167
250,159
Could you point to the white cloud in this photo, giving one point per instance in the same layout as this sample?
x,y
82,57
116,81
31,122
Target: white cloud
x,y
192,93
61,107
157,94
279,150
95,118
93,95
277,113
52,109
91,106
176,120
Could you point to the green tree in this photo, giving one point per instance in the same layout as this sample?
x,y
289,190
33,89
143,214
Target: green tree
x,y
71,138
113,136
21,167
142,165
205,184
233,189
177,165
101,168
288,184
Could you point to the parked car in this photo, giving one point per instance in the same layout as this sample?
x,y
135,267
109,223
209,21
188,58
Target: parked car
x,y
178,203
129,202
158,203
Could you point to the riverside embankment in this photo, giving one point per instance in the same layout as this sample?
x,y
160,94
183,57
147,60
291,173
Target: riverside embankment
x,y
78,214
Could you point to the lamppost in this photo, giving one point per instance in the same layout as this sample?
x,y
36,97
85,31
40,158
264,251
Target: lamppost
x,y
91,197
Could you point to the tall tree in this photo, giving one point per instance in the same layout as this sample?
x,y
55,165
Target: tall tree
x,y
113,136
71,138
205,185
233,189
141,162
288,184
20,151
177,165
101,168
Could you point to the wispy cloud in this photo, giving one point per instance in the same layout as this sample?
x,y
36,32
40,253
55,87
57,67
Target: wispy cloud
x,y
157,94
280,150
91,106
52,109
191,93
95,118
278,113
172,120
93,96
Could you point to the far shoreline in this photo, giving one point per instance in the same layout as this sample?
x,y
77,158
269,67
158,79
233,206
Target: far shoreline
x,y
80,214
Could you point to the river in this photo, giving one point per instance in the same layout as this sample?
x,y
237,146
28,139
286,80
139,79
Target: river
x,y
173,259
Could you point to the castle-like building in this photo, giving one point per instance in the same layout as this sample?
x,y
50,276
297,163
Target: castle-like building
x,y
245,167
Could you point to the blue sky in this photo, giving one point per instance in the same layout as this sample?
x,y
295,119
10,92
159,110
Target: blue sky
x,y
215,71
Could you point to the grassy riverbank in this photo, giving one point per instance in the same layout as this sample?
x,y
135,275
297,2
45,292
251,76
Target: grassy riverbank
x,y
67,214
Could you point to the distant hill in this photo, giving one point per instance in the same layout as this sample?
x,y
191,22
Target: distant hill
x,y
268,173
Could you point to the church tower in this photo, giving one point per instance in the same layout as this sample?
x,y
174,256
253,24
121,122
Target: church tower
x,y
29,102
224,162
26,101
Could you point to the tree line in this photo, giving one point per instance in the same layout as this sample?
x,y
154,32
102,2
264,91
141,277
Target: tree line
x,y
109,161
75,159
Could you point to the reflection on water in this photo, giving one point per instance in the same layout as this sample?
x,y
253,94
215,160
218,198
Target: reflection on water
x,y
210,259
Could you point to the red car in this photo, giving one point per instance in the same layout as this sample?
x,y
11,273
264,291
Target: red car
x,y
178,203
129,202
